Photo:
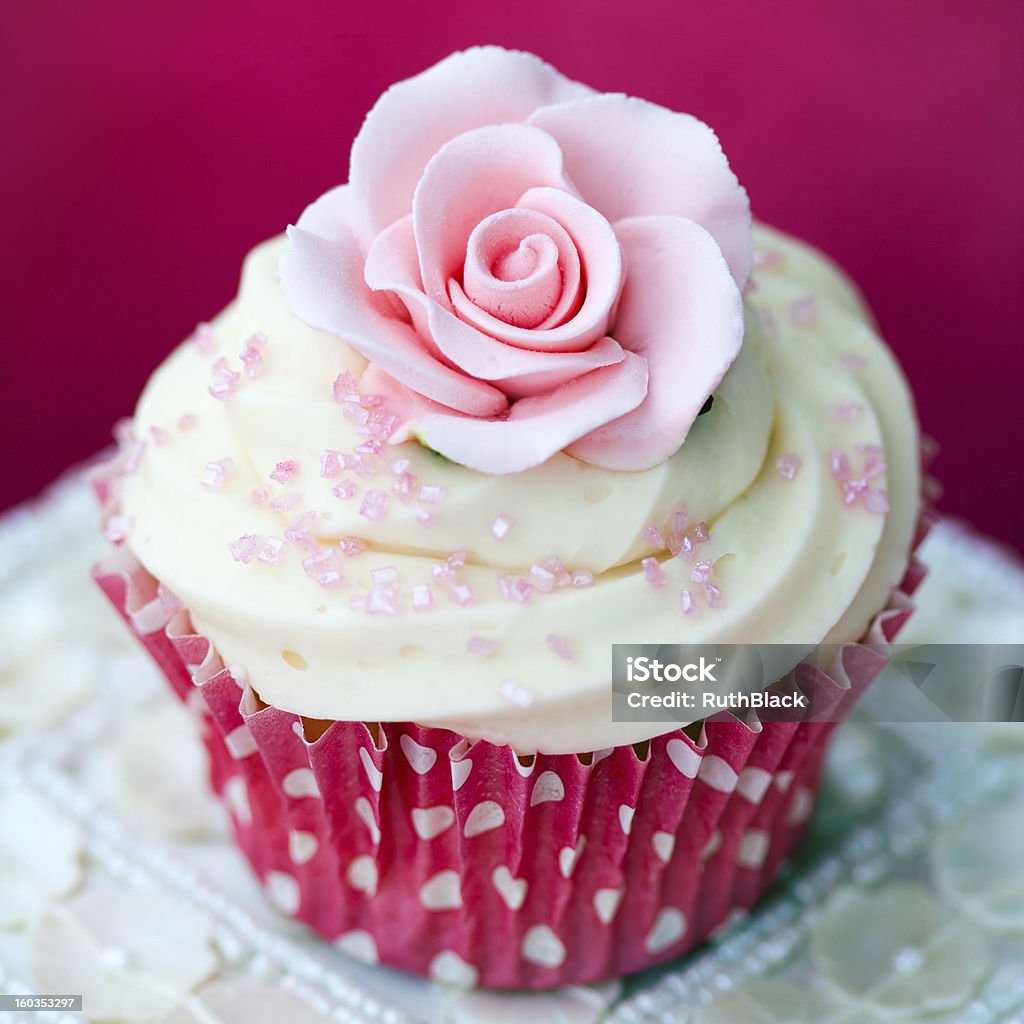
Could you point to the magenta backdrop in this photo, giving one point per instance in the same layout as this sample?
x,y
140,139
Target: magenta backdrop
x,y
145,151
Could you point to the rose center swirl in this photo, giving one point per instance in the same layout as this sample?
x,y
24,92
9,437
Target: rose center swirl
x,y
523,269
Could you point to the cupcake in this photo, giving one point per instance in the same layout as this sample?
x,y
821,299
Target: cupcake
x,y
529,385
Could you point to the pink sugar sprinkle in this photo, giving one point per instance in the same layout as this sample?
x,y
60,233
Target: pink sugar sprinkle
x,y
330,466
700,533
839,464
463,594
356,413
653,572
701,571
363,401
687,603
687,548
555,566
515,693
457,559
652,536
363,465
286,501
380,425
443,573
405,487
371,447
847,410
424,518
245,548
769,328
876,500
383,601
386,576
422,598
262,496
713,595
582,578
284,470
188,421
204,338
680,517
344,385
160,436
803,311
117,529
788,465
352,546
500,527
874,467
770,259
252,355
560,646
400,466
542,579
481,645
853,491
322,562
345,490
432,494
271,550
374,505
214,473
504,587
300,525
224,381
521,591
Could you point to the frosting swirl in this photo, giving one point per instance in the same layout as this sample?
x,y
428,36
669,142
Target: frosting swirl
x,y
785,558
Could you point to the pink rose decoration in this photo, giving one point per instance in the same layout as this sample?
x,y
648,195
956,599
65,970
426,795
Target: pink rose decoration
x,y
529,265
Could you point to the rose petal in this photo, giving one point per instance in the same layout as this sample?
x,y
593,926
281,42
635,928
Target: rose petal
x,y
391,266
680,309
415,118
535,429
322,281
601,258
628,157
474,175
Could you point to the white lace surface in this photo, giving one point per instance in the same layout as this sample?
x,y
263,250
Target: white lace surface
x,y
118,880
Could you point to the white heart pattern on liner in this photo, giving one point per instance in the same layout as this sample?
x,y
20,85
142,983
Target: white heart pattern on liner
x,y
753,784
362,875
626,817
511,890
718,774
568,856
449,968
684,757
421,759
487,815
664,843
300,783
442,892
364,810
359,945
373,773
753,847
548,788
302,846
543,947
669,928
460,772
283,891
432,821
236,795
606,903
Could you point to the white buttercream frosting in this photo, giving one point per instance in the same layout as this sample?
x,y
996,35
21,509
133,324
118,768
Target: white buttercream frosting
x,y
792,562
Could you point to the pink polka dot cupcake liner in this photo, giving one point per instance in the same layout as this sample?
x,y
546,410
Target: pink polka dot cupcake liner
x,y
458,860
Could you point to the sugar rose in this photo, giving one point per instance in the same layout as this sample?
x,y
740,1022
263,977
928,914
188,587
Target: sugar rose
x,y
529,266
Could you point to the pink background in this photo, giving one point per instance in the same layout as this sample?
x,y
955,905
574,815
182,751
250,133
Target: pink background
x,y
145,151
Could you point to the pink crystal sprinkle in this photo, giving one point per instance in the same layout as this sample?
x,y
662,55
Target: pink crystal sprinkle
x,y
422,598
356,413
457,559
271,550
382,601
521,591
380,425
560,646
117,529
803,311
386,576
330,466
432,494
788,465
298,531
405,487
204,338
839,464
713,595
224,381
424,518
687,548
160,436
214,473
400,466
554,565
321,562
847,410
874,467
541,578
463,594
345,489
875,500
582,578
374,505
286,501
653,572
700,532
701,571
352,546
481,645
371,447
680,517
284,470
687,603
500,527
853,491
252,355
344,385
245,548
515,693
262,496
652,536
188,421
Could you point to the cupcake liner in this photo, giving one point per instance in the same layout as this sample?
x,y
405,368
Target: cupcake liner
x,y
414,847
